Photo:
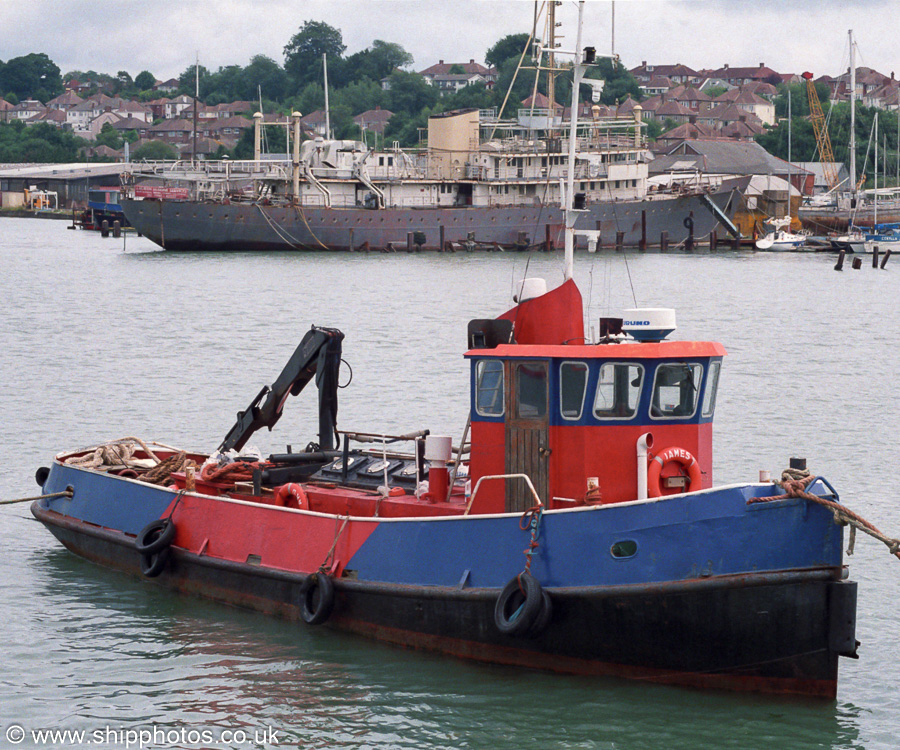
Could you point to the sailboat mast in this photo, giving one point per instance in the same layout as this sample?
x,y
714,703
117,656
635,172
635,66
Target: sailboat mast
x,y
852,114
551,59
570,213
325,78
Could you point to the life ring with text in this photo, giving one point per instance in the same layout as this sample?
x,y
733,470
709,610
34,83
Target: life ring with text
x,y
292,490
677,455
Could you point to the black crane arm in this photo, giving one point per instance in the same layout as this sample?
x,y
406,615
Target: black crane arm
x,y
318,355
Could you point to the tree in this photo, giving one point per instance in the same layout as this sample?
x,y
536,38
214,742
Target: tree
x,y
303,53
154,151
31,76
109,136
265,73
410,93
124,80
145,80
510,46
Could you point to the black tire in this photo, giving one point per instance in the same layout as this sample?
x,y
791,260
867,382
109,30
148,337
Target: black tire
x,y
155,536
543,619
518,605
153,563
316,599
40,476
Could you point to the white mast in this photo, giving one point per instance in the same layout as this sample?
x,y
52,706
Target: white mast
x,y
852,114
327,116
571,214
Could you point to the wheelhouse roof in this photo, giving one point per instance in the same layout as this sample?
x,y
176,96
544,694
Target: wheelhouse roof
x,y
625,350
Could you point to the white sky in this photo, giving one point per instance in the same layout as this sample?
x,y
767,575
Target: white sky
x,y
165,36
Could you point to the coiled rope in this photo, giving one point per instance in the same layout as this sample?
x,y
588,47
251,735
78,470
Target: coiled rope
x,y
795,484
531,520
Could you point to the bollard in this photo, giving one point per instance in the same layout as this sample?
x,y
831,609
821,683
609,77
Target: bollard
x,y
104,228
713,240
663,241
875,257
736,243
117,229
884,260
857,263
839,266
620,241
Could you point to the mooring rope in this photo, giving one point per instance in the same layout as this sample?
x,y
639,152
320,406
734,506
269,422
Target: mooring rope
x,y
795,487
329,558
64,493
531,520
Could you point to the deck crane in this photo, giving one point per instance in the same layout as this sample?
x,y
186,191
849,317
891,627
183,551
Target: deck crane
x,y
822,140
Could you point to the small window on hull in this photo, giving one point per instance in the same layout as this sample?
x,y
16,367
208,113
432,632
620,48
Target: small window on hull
x,y
625,548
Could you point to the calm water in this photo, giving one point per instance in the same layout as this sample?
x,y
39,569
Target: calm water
x,y
99,341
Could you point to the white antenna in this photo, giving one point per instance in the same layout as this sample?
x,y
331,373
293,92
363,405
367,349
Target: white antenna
x,y
327,115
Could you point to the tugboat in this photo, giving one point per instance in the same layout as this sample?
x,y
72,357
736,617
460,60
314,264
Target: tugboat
x,y
575,528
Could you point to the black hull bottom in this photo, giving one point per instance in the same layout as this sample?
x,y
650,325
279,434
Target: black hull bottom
x,y
774,633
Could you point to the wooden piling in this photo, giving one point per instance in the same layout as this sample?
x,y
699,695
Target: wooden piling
x,y
663,241
884,260
104,228
857,263
642,245
620,241
713,240
875,257
839,266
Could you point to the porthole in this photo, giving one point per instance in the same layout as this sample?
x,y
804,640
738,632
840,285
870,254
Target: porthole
x,y
624,548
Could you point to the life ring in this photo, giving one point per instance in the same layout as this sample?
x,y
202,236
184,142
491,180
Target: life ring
x,y
316,598
287,491
679,456
155,536
518,605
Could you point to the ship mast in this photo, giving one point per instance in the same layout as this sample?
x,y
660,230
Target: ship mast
x,y
571,213
852,114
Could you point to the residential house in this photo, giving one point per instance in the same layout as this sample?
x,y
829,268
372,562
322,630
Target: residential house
x,y
315,121
450,83
226,129
176,130
65,101
166,87
26,109
883,97
126,124
657,86
677,73
749,102
437,74
742,76
373,120
694,99
50,116
5,109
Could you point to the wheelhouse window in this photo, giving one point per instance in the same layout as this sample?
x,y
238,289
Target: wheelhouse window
x,y
531,390
618,390
489,387
712,385
675,390
572,387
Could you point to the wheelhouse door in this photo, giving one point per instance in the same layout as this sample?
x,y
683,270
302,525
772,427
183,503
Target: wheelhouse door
x,y
527,421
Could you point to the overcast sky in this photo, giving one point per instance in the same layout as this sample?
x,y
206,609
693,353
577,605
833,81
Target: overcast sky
x,y
165,36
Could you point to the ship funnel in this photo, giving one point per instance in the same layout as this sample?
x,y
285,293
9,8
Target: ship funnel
x,y
649,323
531,288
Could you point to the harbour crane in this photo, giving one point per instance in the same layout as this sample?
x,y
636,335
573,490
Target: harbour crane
x,y
823,142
